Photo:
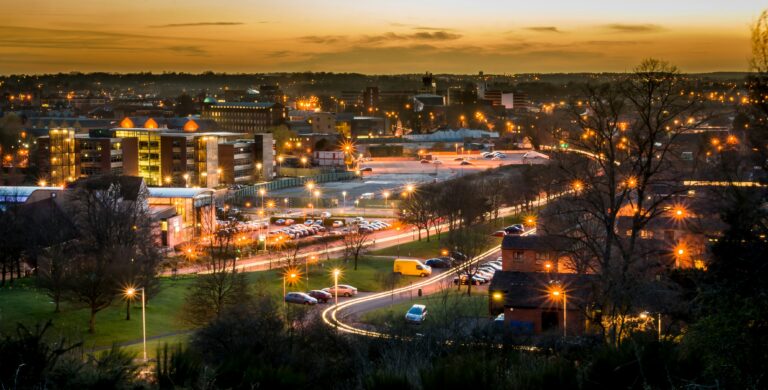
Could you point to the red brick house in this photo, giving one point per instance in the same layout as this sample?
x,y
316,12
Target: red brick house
x,y
530,288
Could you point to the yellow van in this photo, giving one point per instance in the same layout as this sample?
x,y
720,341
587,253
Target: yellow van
x,y
412,267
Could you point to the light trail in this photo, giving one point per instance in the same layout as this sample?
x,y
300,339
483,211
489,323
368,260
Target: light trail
x,y
330,315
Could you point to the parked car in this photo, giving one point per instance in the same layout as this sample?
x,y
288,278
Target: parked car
x,y
416,314
300,298
325,214
424,161
437,263
515,229
494,265
499,233
476,280
465,163
337,224
320,295
289,222
280,222
308,222
436,162
458,159
344,290
366,169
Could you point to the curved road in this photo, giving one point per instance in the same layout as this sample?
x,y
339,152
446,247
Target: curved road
x,y
335,315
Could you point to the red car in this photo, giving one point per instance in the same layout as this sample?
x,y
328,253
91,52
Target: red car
x,y
320,295
499,233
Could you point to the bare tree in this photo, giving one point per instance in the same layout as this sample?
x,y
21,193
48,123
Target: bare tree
x,y
468,243
113,231
221,286
629,131
54,272
355,242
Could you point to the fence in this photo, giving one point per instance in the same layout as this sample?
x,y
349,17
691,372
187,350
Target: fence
x,y
288,182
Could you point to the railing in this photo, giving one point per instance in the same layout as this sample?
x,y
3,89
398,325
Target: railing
x,y
252,191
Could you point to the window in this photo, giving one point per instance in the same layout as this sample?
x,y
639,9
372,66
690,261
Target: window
x,y
542,257
517,256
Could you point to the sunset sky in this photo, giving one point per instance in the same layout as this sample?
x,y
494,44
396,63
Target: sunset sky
x,y
392,36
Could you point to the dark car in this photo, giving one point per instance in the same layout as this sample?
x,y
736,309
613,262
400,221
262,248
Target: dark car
x,y
437,263
300,298
366,169
458,256
320,295
465,163
515,229
424,161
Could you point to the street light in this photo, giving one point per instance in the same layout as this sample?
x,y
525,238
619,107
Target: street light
x,y
291,276
130,292
344,197
317,201
556,294
262,192
646,315
386,197
336,273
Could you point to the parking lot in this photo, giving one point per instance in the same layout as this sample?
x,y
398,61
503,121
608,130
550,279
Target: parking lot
x,y
393,174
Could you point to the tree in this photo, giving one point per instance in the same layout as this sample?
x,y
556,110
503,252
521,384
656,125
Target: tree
x,y
113,236
12,244
629,130
221,286
468,243
355,242
54,272
281,134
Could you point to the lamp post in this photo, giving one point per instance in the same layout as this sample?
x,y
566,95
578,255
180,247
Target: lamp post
x,y
292,276
258,171
317,201
386,198
130,292
344,197
262,192
556,294
646,315
336,273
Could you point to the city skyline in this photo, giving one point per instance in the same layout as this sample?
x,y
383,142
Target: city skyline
x,y
43,36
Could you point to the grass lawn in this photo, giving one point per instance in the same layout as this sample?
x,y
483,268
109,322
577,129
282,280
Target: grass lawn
x,y
27,305
442,307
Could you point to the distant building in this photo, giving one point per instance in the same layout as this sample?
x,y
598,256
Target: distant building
x,y
367,126
323,123
161,156
245,117
371,99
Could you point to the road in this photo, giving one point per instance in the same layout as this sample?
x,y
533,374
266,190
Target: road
x,y
381,239
337,315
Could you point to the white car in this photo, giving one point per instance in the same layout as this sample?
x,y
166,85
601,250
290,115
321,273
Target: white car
x,y
416,314
344,290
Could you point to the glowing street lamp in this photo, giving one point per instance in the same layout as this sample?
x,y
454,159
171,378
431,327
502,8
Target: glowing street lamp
x,y
556,295
336,273
344,197
386,197
646,315
130,292
577,185
291,276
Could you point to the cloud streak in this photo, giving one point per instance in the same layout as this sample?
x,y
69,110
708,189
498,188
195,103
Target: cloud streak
x,y
544,29
633,28
199,24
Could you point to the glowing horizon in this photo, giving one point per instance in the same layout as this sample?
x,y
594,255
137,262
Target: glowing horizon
x,y
46,36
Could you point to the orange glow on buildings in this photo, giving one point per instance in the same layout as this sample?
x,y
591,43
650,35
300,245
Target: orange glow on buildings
x,y
127,123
